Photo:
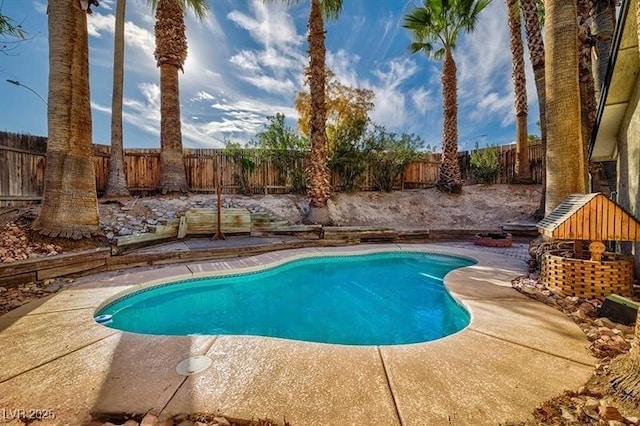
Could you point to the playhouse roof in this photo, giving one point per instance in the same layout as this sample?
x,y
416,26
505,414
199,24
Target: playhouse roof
x,y
590,217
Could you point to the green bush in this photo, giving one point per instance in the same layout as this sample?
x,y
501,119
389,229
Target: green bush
x,y
349,157
485,163
285,149
245,163
388,154
298,181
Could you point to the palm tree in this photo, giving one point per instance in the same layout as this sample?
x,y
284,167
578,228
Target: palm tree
x,y
565,170
318,175
435,27
585,75
523,172
69,206
625,369
603,14
535,44
117,182
170,54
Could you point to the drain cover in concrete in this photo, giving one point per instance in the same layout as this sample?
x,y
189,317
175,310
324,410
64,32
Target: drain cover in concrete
x,y
193,365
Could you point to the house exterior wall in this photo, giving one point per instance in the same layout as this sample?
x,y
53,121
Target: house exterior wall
x,y
629,166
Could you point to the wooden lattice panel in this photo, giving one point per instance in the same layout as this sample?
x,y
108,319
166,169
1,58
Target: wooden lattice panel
x,y
587,278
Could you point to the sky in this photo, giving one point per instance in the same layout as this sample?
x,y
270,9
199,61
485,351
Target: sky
x,y
246,61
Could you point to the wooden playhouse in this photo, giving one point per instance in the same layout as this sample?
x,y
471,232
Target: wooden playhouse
x,y
591,272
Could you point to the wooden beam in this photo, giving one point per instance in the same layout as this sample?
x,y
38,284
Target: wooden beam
x,y
182,228
20,198
69,269
35,264
22,151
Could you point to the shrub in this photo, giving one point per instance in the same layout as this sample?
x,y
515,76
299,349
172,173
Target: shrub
x,y
349,156
485,163
285,149
245,163
389,154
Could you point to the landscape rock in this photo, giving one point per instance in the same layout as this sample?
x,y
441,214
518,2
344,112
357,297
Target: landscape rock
x,y
608,413
149,420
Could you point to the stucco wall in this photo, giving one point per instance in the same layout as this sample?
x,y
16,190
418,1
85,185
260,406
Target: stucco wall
x,y
629,165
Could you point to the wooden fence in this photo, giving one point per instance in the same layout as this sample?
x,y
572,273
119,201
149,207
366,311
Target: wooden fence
x,y
21,168
22,162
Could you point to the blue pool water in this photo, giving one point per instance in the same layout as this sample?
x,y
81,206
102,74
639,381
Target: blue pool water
x,y
373,299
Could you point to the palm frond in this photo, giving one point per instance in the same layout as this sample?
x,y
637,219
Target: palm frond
x,y
436,24
198,7
331,9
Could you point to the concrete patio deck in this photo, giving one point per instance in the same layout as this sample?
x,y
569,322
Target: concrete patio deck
x,y
515,354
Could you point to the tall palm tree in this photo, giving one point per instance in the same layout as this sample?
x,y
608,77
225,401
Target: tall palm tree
x,y
69,206
523,172
625,369
170,54
603,14
318,174
533,28
435,27
117,182
585,74
565,171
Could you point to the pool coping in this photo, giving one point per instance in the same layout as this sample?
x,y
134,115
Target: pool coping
x,y
531,353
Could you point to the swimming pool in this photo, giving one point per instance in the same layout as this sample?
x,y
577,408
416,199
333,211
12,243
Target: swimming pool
x,y
385,298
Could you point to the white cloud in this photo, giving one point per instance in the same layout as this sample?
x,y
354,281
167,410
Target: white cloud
x,y
271,24
202,96
344,64
40,7
484,68
272,84
423,99
140,38
276,66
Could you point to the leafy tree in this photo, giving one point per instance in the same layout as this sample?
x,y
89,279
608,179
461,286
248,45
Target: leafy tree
x,y
485,163
349,157
435,27
389,154
11,33
285,149
346,108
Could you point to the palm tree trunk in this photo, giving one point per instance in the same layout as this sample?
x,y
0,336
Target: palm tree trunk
x,y
170,53
523,171
449,179
117,182
173,176
565,170
69,207
587,94
317,171
602,27
625,370
536,55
